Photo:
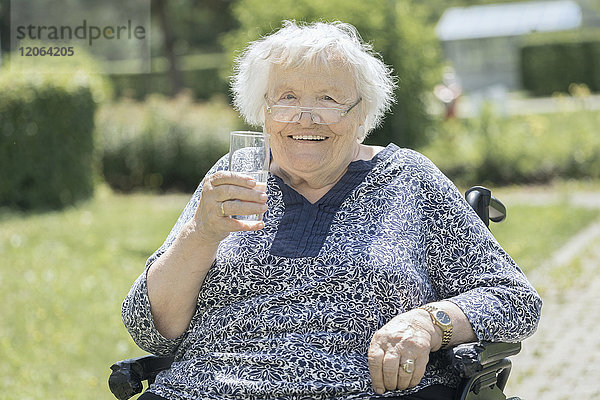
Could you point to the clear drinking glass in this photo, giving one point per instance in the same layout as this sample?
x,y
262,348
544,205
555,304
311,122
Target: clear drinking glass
x,y
249,154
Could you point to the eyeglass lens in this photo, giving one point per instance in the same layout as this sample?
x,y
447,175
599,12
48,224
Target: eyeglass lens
x,y
318,115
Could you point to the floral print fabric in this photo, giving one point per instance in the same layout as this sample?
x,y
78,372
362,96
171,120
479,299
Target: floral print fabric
x,y
274,327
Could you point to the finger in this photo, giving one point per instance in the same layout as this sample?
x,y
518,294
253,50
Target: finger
x,y
231,178
405,375
237,207
391,363
248,225
420,366
233,192
228,224
375,357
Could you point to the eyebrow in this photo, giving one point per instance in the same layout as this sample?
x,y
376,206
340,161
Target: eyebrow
x,y
332,90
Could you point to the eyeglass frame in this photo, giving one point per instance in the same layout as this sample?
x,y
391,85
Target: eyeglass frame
x,y
343,112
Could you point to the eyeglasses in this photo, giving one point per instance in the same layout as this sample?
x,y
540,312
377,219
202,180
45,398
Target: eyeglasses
x,y
318,115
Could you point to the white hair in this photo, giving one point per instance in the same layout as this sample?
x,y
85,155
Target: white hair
x,y
316,43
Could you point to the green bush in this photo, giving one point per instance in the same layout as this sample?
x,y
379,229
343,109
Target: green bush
x,y
46,137
203,84
520,149
163,144
552,62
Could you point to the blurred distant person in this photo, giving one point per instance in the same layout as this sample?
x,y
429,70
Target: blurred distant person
x,y
448,92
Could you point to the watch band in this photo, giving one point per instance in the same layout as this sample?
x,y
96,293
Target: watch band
x,y
446,328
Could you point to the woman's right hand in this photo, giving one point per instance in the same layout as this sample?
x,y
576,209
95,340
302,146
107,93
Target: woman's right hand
x,y
224,194
175,278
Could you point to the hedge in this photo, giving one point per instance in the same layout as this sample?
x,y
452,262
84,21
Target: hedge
x,y
46,137
552,62
522,149
163,144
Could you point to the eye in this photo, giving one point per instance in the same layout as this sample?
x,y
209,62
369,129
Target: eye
x,y
288,96
329,100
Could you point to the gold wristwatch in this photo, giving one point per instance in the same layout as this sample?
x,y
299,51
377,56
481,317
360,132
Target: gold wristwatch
x,y
441,319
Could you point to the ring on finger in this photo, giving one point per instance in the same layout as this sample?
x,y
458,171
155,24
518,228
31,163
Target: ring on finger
x,y
223,210
409,366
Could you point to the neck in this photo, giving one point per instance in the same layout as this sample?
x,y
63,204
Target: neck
x,y
310,184
314,185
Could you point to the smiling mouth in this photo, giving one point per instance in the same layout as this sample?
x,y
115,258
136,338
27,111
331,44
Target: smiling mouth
x,y
312,138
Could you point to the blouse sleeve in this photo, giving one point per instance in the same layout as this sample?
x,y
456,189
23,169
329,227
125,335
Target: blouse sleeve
x,y
136,311
468,267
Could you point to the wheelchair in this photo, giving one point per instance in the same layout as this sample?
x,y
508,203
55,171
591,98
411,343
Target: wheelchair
x,y
483,367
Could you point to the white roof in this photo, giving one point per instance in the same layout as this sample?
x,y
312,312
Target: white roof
x,y
508,19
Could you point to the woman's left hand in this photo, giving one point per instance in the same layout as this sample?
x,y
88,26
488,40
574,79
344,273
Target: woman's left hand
x,y
399,351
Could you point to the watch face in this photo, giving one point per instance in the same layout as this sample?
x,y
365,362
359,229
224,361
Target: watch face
x,y
442,317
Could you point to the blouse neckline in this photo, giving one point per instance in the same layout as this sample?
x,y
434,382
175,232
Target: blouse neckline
x,y
303,227
348,179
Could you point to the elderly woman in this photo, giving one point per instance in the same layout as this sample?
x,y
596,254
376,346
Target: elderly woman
x,y
366,263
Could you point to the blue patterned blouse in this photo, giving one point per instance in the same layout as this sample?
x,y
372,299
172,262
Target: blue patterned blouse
x,y
288,312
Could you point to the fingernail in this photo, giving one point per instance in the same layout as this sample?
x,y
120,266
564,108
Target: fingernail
x,y
264,197
379,390
251,182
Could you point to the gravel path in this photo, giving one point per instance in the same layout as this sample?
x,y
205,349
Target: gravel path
x,y
562,360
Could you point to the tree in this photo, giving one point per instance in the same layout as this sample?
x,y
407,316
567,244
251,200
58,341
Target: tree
x,y
396,28
188,27
160,9
4,26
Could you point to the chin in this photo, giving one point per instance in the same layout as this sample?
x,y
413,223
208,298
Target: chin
x,y
307,164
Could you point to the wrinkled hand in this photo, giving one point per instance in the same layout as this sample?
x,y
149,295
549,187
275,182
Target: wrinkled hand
x,y
409,336
233,194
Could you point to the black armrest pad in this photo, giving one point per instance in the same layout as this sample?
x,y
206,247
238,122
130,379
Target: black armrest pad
x,y
471,358
127,376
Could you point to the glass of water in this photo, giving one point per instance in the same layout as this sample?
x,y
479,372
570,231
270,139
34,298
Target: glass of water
x,y
249,154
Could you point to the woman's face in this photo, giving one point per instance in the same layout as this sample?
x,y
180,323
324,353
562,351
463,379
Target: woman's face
x,y
304,149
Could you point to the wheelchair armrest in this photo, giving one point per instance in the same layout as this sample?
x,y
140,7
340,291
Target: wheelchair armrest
x,y
469,359
128,375
487,207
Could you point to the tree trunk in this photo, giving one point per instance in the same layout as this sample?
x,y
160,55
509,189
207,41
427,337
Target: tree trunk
x,y
169,43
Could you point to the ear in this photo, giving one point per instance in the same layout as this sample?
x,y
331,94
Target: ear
x,y
360,134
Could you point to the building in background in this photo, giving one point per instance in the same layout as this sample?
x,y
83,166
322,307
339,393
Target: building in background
x,y
482,42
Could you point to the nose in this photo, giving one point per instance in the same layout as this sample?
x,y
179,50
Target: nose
x,y
305,119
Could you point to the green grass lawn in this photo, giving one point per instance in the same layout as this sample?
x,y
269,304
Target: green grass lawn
x,y
531,234
64,275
